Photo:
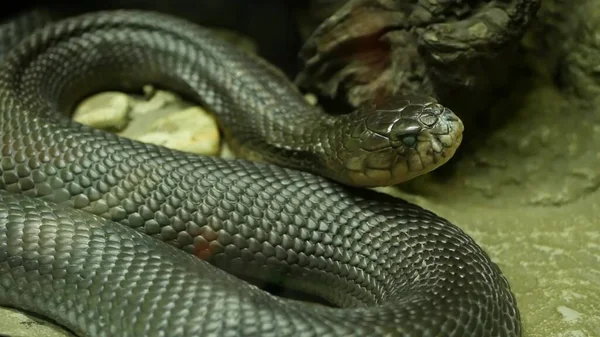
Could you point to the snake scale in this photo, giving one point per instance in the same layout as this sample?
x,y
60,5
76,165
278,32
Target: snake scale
x,y
111,237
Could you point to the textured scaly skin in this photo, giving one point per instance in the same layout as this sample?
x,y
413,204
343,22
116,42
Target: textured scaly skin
x,y
76,201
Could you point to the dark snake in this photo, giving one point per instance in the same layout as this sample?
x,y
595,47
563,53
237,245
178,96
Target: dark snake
x,y
85,214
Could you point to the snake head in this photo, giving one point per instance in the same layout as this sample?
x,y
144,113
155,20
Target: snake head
x,y
395,139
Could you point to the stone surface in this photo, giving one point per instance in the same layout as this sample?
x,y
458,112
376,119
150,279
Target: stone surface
x,y
107,110
163,119
190,130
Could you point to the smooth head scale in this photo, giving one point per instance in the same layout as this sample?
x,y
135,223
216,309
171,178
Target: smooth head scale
x,y
396,139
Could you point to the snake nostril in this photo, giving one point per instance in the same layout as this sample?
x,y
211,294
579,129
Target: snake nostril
x,y
450,117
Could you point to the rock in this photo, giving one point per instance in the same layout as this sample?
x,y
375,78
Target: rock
x,y
460,52
190,130
311,99
580,68
164,119
157,100
226,152
107,110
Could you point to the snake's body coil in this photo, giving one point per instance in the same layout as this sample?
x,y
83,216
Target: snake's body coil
x,y
76,202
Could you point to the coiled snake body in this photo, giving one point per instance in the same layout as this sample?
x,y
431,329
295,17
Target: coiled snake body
x,y
77,202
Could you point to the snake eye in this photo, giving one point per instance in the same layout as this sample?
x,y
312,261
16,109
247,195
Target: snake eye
x,y
406,134
409,140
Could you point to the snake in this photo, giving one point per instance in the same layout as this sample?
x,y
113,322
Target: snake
x,y
108,236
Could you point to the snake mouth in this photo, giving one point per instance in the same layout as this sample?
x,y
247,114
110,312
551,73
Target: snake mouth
x,y
450,140
440,143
